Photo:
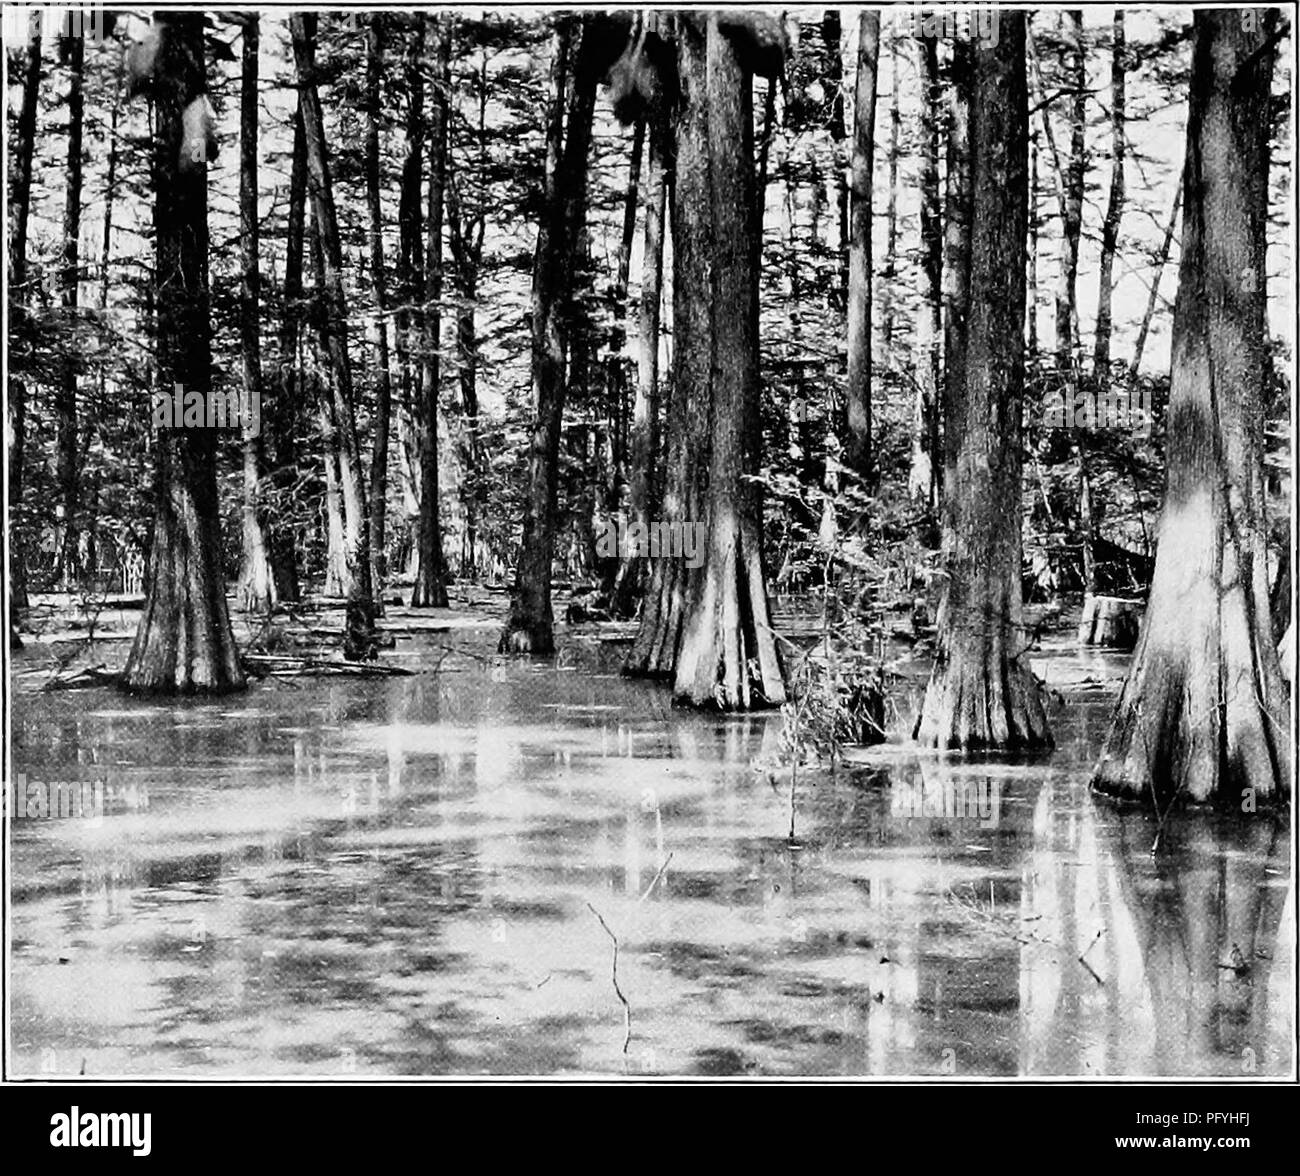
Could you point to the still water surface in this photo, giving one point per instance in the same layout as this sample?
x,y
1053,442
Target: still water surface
x,y
426,875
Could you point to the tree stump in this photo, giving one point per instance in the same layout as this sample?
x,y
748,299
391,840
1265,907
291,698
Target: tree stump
x,y
1109,620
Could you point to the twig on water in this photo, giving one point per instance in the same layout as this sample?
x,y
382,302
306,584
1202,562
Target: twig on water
x,y
627,1008
653,881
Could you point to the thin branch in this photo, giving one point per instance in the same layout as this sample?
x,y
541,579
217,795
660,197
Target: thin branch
x,y
627,1008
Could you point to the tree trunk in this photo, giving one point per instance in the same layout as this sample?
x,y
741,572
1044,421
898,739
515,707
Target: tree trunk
x,y
626,588
378,286
981,692
74,51
291,388
361,608
110,184
1281,593
24,147
1162,260
710,626
410,281
1109,240
337,576
616,383
430,589
256,584
958,196
466,235
529,626
858,451
889,273
921,480
644,445
1031,292
184,642
1114,204
837,130
1203,713
1067,313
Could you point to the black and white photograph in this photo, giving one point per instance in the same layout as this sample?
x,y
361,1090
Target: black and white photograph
x,y
649,545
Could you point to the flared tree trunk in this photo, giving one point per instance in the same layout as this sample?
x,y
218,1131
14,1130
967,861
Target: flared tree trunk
x,y
529,628
710,626
1203,714
981,692
361,607
184,643
21,167
256,584
858,450
430,589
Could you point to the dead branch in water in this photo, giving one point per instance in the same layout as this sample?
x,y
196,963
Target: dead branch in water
x,y
654,881
627,1008
286,666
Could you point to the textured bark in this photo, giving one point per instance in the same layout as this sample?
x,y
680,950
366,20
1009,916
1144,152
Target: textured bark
x,y
430,588
922,477
529,628
958,195
981,692
1114,202
858,450
65,400
256,584
184,643
361,607
24,145
709,628
1280,595
379,291
1203,713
